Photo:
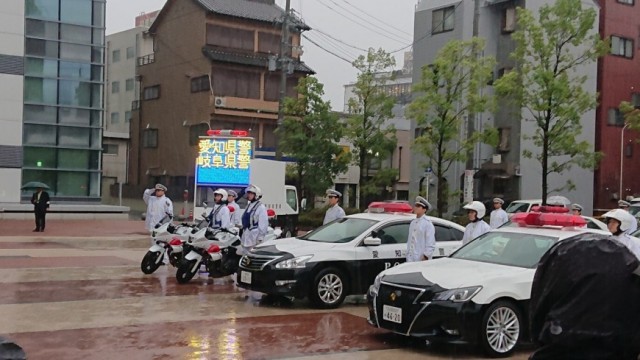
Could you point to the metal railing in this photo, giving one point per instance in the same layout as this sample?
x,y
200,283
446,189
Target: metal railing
x,y
146,60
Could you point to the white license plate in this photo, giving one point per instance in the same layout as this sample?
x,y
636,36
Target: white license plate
x,y
245,277
392,313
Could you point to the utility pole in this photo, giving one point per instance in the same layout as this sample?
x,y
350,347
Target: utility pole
x,y
283,60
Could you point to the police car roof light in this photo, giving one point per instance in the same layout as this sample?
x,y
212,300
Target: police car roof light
x,y
550,209
227,133
389,207
548,219
175,242
213,249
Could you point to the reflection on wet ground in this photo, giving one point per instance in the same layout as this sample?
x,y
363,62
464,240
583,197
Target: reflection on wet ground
x,y
95,305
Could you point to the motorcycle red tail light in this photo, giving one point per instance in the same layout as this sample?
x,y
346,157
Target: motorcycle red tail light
x,y
271,213
213,249
231,209
175,242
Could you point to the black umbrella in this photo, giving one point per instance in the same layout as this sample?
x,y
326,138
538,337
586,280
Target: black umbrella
x,y
34,185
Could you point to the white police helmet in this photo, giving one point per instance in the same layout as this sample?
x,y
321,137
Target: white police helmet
x,y
478,207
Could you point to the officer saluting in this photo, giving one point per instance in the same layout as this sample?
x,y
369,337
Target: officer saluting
x,y
422,235
335,211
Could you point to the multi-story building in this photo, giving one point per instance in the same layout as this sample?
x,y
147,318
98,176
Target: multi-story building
x,y
503,170
122,53
618,80
214,65
51,95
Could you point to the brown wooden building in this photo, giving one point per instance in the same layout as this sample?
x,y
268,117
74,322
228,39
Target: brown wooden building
x,y
210,66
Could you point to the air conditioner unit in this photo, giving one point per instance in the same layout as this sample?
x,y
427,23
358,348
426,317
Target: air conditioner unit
x,y
220,101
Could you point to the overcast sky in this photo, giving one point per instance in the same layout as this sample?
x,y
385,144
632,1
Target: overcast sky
x,y
355,22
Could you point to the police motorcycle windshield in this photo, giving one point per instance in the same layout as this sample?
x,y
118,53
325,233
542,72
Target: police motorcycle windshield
x,y
340,231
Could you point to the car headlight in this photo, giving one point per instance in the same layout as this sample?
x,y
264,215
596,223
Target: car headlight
x,y
458,295
376,285
295,263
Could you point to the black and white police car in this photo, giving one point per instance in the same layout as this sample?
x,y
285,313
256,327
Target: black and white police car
x,y
479,294
338,259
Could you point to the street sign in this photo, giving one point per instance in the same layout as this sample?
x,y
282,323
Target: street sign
x,y
468,186
428,170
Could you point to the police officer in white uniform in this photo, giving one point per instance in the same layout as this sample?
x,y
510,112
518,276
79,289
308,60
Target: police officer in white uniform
x,y
498,216
625,205
576,209
422,235
476,226
159,206
235,215
220,216
335,211
255,222
619,223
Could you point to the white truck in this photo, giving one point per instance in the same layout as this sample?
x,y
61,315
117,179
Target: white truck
x,y
269,175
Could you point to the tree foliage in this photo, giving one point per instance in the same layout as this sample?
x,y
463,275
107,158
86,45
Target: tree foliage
x,y
449,89
631,115
366,128
547,87
310,134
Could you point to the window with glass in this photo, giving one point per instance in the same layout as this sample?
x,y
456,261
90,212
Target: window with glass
x,y
393,234
74,33
39,134
75,52
339,231
39,157
151,92
40,114
150,138
131,52
72,183
115,118
442,20
74,136
75,93
200,84
115,87
615,117
73,70
115,56
127,117
38,90
627,2
41,67
98,13
129,85
110,149
41,29
76,11
41,48
73,116
42,9
622,47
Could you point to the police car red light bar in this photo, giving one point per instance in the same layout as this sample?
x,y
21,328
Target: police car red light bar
x,y
548,219
550,209
227,133
385,207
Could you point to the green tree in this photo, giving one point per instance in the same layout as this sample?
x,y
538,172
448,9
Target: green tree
x,y
310,133
546,86
371,107
448,90
631,115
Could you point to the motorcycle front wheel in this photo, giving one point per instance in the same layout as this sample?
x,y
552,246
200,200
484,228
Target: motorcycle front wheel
x,y
150,262
186,271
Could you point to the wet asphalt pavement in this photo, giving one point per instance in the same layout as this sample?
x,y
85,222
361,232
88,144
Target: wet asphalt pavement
x,y
69,296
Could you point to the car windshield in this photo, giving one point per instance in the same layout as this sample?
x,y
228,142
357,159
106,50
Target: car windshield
x,y
517,207
339,231
506,248
634,210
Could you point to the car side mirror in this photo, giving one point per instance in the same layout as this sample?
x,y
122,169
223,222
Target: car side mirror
x,y
372,241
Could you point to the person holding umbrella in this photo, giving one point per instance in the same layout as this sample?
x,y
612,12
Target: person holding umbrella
x,y
40,201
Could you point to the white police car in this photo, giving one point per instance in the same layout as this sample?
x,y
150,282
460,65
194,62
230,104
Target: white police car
x,y
479,294
338,259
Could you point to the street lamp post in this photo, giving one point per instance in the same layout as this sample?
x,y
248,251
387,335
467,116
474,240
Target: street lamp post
x,y
622,157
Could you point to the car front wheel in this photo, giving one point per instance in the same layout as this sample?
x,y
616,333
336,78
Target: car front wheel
x,y
329,289
501,329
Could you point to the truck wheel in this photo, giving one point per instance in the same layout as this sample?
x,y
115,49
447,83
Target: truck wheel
x,y
329,289
501,329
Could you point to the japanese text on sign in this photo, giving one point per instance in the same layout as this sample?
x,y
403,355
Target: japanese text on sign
x,y
224,153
